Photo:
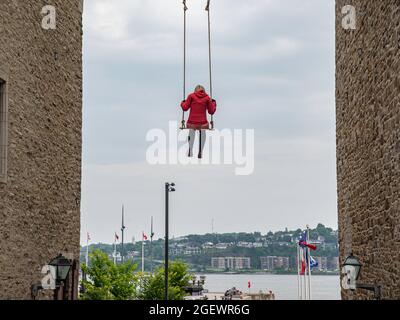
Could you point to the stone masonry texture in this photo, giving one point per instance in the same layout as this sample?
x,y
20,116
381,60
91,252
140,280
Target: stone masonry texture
x,y
40,202
368,142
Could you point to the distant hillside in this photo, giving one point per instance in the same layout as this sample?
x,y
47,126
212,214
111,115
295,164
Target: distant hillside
x,y
198,250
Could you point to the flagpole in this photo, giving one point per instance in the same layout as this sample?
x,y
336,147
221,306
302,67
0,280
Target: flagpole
x,y
309,264
122,235
304,276
151,245
142,252
87,249
115,248
298,274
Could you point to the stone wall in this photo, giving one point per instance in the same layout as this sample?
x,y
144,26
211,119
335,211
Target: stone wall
x,y
40,202
368,142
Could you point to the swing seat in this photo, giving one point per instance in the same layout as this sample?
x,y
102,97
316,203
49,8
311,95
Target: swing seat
x,y
205,126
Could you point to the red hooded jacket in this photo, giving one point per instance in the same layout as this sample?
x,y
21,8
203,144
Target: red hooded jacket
x,y
199,103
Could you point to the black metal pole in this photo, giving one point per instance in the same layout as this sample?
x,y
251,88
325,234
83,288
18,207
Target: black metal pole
x,y
122,236
151,246
166,238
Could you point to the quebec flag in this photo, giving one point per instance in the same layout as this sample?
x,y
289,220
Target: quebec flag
x,y
313,262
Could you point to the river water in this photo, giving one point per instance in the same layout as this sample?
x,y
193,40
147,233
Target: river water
x,y
284,286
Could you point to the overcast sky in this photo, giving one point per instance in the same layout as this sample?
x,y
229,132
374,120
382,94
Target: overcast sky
x,y
273,72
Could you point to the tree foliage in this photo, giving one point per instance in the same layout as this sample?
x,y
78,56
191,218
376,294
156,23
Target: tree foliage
x,y
106,281
153,286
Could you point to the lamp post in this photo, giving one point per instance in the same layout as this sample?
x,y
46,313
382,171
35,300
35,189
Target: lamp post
x,y
352,269
122,236
169,187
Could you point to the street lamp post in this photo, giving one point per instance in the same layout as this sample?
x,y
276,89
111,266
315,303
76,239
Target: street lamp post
x,y
122,236
169,187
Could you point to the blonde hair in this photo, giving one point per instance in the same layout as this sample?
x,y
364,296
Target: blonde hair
x,y
199,87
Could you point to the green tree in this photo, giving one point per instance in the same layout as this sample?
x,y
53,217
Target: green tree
x,y
153,286
106,281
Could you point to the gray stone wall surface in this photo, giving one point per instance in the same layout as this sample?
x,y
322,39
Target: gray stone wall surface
x,y
368,142
40,202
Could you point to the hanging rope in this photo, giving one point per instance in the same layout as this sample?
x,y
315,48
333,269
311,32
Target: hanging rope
x,y
209,57
185,8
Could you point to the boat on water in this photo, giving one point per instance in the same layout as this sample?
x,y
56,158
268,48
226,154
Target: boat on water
x,y
231,294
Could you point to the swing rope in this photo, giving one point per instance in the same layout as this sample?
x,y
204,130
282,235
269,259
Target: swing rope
x,y
209,57
185,8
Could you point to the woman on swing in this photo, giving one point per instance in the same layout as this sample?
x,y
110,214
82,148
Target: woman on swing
x,y
199,103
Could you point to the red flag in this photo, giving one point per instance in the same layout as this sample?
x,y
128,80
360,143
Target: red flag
x,y
308,245
144,236
249,284
303,268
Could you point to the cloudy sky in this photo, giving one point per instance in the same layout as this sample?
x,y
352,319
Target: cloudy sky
x,y
273,72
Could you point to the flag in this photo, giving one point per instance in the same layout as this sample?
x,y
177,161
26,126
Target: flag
x,y
308,245
303,268
303,263
303,242
249,284
88,237
303,237
144,236
116,237
313,262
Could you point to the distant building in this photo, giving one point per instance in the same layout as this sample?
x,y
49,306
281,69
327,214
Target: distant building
x,y
333,263
272,263
118,257
177,249
132,254
327,263
283,244
257,244
232,263
192,251
322,263
208,245
222,246
243,244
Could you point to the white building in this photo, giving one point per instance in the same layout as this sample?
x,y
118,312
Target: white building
x,y
232,263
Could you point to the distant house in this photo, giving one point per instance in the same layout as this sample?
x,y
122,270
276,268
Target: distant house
x,y
207,245
243,244
118,257
177,249
283,244
192,251
222,246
